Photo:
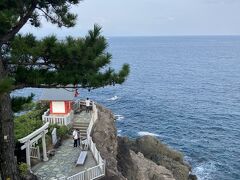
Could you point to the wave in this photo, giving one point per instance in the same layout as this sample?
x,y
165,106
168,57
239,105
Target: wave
x,y
119,132
114,98
145,133
204,170
119,117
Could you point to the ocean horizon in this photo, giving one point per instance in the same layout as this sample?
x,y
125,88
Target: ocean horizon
x,y
184,90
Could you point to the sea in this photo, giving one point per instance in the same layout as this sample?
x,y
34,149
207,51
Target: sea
x,y
183,90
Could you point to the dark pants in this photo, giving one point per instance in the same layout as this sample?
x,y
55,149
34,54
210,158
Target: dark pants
x,y
75,143
87,108
78,142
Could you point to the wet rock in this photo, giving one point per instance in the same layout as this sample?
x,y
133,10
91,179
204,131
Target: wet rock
x,y
192,177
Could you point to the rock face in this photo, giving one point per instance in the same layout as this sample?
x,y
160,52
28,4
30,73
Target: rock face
x,y
147,169
104,134
136,167
159,153
145,158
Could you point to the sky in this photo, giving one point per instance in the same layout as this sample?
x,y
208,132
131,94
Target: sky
x,y
151,18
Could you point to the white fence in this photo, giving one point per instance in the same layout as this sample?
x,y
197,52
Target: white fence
x,y
35,152
76,105
78,176
96,171
54,136
89,174
54,119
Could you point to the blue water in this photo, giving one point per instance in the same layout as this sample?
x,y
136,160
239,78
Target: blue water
x,y
184,90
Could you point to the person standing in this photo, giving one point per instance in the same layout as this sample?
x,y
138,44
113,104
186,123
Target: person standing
x,y
75,137
87,105
79,138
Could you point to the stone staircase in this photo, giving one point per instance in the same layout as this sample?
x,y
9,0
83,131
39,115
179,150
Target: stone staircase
x,y
82,127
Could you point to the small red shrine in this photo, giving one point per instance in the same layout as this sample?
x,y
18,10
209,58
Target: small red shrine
x,y
61,100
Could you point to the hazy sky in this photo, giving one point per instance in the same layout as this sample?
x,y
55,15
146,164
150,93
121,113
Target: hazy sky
x,y
152,18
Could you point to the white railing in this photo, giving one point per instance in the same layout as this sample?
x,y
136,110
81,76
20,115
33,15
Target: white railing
x,y
60,120
96,171
35,152
92,121
95,152
76,105
78,176
89,174
79,104
99,170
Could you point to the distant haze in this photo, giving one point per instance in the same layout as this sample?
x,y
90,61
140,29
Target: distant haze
x,y
151,18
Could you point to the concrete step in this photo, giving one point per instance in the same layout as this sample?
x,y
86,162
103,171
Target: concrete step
x,y
81,123
84,131
80,127
83,136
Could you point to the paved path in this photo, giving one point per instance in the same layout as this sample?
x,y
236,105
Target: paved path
x,y
82,117
63,163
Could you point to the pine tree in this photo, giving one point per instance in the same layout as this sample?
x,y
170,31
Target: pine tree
x,y
28,62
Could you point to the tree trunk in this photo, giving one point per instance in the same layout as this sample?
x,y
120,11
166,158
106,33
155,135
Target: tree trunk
x,y
8,163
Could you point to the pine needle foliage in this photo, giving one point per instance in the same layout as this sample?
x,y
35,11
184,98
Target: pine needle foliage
x,y
18,103
50,62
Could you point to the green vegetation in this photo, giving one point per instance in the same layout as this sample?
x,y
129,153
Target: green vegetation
x,y
22,103
6,84
23,169
27,123
28,62
62,131
82,62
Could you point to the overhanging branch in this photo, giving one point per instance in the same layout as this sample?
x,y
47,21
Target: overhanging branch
x,y
10,34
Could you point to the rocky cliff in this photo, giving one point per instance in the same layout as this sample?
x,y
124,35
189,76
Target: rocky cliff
x,y
145,158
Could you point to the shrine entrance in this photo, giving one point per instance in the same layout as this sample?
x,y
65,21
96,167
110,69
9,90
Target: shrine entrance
x,y
30,142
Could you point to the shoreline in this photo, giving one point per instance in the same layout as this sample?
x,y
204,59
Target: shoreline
x,y
123,155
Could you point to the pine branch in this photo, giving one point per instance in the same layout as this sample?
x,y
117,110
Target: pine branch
x,y
10,34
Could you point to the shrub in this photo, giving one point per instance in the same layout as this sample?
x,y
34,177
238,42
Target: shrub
x,y
23,169
27,123
62,132
51,127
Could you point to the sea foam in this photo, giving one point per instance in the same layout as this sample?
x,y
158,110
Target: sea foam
x,y
114,98
145,133
119,117
204,171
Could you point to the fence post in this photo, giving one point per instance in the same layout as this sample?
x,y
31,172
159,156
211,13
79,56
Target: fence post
x,y
38,153
85,174
98,157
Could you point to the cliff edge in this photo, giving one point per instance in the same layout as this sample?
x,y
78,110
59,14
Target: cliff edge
x,y
145,158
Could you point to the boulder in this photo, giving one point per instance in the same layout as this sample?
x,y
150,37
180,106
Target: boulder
x,y
153,149
136,167
148,170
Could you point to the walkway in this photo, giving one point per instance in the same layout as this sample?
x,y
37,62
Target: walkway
x,y
63,163
82,117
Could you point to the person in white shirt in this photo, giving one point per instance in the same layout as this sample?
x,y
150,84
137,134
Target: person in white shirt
x,y
87,105
75,137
